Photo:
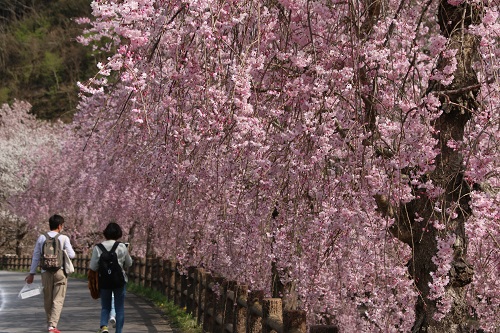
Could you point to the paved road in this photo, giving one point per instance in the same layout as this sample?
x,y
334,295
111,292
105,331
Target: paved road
x,y
80,314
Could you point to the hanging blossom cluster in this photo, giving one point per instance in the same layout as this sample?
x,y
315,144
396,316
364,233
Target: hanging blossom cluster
x,y
482,148
440,278
248,136
483,228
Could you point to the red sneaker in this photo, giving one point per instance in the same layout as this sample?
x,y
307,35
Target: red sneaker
x,y
54,330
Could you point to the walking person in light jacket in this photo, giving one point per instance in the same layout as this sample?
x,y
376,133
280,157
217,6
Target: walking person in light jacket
x,y
54,282
112,233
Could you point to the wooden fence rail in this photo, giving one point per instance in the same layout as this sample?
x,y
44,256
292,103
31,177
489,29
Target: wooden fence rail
x,y
218,305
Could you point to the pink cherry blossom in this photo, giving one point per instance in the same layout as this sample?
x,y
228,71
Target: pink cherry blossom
x,y
247,136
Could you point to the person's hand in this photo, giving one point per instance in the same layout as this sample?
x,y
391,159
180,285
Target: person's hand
x,y
29,279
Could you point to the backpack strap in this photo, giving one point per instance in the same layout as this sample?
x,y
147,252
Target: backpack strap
x,y
103,249
115,245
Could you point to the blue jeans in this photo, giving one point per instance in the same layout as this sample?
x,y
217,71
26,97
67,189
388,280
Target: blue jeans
x,y
119,305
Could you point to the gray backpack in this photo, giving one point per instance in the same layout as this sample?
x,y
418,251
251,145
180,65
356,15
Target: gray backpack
x,y
52,253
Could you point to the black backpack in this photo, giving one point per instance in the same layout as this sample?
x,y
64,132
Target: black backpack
x,y
111,274
52,253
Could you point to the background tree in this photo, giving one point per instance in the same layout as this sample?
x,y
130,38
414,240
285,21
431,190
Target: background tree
x,y
370,127
23,141
40,61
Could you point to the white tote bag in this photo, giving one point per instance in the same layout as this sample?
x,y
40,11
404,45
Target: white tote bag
x,y
68,265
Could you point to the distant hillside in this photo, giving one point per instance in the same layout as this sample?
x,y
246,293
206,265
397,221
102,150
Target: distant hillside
x,y
40,60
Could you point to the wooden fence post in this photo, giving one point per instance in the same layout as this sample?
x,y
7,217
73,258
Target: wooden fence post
x,y
177,284
142,264
170,280
208,308
26,262
136,270
166,278
86,263
77,263
272,316
16,263
183,291
201,290
191,291
160,282
220,300
148,277
83,264
229,309
241,310
294,321
254,312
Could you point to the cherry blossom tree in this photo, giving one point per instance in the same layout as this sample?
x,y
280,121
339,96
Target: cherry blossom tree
x,y
348,150
23,141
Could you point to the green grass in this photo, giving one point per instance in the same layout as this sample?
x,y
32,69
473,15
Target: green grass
x,y
178,317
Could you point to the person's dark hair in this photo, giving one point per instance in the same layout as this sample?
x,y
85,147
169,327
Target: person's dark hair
x,y
55,221
112,231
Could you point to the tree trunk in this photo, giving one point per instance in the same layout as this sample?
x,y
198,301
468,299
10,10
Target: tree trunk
x,y
21,233
458,101
288,291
